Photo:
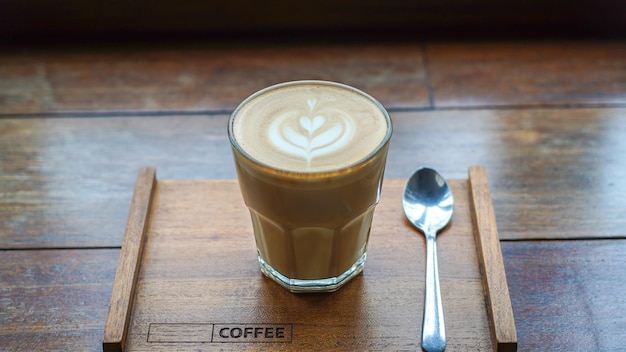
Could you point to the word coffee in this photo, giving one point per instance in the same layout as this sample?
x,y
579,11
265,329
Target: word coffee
x,y
220,333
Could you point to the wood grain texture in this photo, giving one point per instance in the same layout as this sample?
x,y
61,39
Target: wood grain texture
x,y
567,295
200,268
217,77
199,77
546,166
513,74
123,294
67,182
551,151
501,317
55,300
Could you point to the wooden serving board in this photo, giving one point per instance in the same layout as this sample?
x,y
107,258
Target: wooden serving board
x,y
188,278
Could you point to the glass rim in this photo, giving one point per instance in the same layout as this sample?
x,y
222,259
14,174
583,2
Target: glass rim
x,y
384,141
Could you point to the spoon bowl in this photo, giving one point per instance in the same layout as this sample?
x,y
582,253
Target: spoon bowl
x,y
428,204
427,200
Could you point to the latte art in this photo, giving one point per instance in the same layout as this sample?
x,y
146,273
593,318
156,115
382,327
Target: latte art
x,y
315,134
309,126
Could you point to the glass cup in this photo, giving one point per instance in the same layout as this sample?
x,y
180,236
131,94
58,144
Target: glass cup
x,y
310,158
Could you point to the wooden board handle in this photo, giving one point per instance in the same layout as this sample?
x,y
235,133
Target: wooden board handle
x,y
492,265
118,318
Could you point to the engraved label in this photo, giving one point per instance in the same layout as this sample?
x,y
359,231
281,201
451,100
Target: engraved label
x,y
219,333
159,332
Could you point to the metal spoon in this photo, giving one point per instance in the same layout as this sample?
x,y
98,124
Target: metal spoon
x,y
428,204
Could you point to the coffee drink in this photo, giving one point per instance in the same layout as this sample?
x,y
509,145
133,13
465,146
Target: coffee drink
x,y
310,158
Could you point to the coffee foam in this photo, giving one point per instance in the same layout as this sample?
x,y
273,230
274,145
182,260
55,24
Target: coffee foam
x,y
312,127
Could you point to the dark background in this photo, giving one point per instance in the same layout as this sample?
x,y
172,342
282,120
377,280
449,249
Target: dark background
x,y
89,20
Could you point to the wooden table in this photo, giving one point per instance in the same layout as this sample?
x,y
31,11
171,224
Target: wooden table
x,y
546,119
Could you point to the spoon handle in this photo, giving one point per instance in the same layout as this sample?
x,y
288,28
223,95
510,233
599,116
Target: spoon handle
x,y
433,328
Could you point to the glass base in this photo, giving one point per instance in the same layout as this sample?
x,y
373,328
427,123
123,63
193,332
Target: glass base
x,y
330,284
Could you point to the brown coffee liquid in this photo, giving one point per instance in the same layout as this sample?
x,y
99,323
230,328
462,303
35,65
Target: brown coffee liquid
x,y
311,206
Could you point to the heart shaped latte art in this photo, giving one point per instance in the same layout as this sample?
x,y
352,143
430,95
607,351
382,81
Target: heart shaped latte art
x,y
313,133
